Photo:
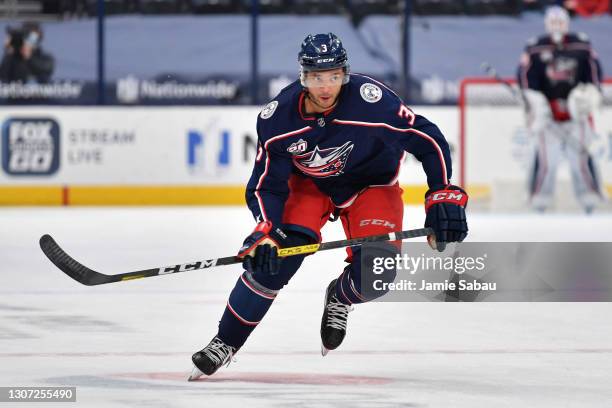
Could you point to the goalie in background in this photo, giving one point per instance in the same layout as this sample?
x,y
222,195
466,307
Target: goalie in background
x,y
560,75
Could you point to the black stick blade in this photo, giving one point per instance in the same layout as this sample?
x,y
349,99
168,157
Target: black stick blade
x,y
69,265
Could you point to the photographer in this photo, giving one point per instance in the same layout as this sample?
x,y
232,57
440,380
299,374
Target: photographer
x,y
24,59
40,63
14,66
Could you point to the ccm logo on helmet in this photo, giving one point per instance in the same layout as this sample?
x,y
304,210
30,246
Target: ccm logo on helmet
x,y
384,223
325,60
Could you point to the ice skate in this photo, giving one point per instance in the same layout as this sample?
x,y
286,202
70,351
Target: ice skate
x,y
210,358
333,322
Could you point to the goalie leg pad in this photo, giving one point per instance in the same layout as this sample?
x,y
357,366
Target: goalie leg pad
x,y
544,170
586,181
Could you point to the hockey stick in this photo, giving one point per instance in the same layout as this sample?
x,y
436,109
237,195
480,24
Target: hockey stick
x,y
517,93
89,277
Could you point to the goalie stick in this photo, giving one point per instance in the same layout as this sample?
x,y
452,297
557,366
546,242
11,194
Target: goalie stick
x,y
516,92
89,277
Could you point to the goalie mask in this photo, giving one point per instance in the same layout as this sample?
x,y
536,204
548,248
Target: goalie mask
x,y
556,21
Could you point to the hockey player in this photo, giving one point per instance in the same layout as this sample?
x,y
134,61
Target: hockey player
x,y
330,144
560,77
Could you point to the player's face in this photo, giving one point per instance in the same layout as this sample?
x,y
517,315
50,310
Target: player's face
x,y
324,86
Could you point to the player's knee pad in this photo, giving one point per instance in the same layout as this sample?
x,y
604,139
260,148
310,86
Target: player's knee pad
x,y
288,266
367,276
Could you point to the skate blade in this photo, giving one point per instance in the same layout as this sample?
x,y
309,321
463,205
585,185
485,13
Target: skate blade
x,y
324,350
195,374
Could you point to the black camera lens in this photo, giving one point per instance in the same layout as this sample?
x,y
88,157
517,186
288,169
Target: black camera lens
x,y
17,38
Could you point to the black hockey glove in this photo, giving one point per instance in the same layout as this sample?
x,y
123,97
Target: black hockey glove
x,y
445,213
260,248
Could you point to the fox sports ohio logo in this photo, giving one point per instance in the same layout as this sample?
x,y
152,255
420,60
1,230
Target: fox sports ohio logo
x,y
30,146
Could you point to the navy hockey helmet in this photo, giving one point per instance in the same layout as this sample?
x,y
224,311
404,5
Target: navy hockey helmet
x,y
322,52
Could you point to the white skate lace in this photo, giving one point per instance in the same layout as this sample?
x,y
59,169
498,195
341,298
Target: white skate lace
x,y
219,352
337,314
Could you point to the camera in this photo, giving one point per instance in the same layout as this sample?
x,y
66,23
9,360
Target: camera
x,y
17,37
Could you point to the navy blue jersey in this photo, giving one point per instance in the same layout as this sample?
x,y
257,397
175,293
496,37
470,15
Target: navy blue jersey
x,y
359,143
554,69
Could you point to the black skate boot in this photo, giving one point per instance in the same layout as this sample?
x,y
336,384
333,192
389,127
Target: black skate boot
x,y
333,323
210,358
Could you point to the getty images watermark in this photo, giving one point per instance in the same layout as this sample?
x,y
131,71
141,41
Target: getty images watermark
x,y
413,264
487,272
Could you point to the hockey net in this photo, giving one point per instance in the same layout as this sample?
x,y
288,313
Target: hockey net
x,y
495,149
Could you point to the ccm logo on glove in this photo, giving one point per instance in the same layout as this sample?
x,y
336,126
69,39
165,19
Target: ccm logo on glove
x,y
445,214
456,197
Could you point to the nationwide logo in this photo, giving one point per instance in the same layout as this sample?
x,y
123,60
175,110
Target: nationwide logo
x,y
61,89
128,89
322,163
132,90
30,146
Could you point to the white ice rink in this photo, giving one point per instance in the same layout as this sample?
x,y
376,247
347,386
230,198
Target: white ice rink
x,y
129,344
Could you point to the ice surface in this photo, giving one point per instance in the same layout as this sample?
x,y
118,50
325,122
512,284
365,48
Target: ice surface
x,y
129,344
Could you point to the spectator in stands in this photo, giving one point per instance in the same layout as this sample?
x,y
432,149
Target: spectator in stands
x,y
14,66
588,8
40,63
541,4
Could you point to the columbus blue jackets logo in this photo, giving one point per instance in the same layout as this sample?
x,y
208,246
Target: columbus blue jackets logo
x,y
322,163
562,70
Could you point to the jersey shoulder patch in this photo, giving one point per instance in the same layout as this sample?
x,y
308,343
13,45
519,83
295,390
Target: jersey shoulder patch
x,y
582,37
284,98
279,116
370,92
532,41
268,110
539,44
370,101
